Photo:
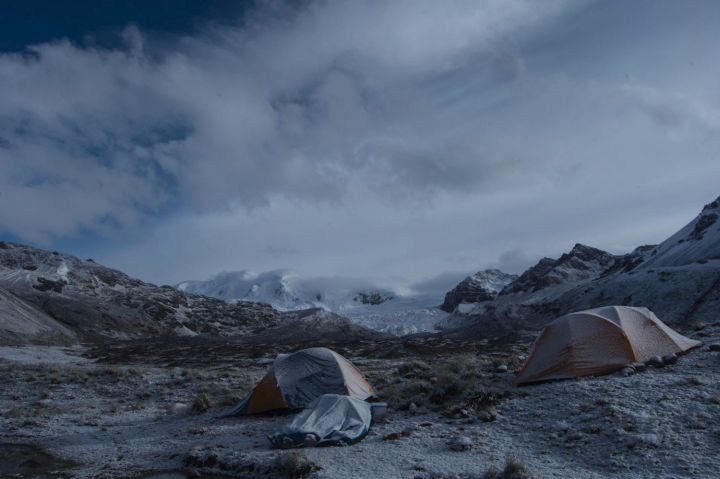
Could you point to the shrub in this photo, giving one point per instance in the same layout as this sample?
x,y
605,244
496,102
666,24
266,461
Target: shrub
x,y
514,469
295,465
201,403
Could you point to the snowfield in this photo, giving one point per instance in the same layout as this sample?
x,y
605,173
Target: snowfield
x,y
381,309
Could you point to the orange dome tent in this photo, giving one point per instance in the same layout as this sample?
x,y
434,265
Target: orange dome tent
x,y
599,341
297,379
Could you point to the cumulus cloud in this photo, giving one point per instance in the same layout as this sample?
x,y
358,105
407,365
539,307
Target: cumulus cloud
x,y
298,102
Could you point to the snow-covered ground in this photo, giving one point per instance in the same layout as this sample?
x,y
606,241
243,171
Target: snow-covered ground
x,y
126,419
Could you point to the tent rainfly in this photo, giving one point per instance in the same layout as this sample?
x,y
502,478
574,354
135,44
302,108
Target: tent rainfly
x,y
297,379
599,341
330,420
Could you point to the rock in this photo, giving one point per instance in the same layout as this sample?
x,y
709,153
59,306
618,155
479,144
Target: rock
x,y
655,361
393,436
460,443
487,416
670,358
639,367
310,440
413,408
627,371
639,440
502,368
714,347
561,426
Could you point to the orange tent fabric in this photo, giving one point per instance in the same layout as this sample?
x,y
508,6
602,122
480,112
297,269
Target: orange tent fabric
x,y
599,341
297,379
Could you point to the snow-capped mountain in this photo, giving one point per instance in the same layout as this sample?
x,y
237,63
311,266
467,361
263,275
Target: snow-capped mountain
x,y
481,286
679,280
375,307
699,240
287,291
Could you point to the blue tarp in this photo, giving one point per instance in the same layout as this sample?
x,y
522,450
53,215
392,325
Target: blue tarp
x,y
330,420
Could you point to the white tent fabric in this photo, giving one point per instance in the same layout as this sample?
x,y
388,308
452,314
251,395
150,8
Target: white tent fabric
x,y
330,420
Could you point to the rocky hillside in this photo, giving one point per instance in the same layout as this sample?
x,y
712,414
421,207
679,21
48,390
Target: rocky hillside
x,y
481,286
21,322
580,263
67,294
679,280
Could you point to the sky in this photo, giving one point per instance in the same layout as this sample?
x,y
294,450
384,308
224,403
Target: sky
x,y
398,141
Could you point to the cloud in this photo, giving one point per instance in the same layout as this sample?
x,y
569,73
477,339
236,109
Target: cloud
x,y
299,103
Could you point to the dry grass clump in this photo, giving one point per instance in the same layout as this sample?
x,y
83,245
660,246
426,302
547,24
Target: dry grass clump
x,y
433,385
295,465
228,397
514,469
201,403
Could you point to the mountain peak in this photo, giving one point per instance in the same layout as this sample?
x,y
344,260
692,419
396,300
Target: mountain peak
x,y
581,262
697,241
481,286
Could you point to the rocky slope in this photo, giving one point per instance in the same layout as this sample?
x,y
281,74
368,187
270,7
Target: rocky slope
x,y
95,302
679,280
21,322
580,263
481,286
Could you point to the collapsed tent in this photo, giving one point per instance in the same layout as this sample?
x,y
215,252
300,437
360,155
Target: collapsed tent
x,y
599,341
297,379
330,420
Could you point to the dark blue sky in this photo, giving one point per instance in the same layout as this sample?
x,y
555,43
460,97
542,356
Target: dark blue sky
x,y
27,22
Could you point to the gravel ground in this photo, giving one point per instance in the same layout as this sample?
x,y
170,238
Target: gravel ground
x,y
125,420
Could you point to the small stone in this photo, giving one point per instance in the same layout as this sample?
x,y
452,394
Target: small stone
x,y
413,408
627,371
639,367
460,443
714,347
310,440
655,361
487,416
502,368
426,424
647,440
393,436
670,358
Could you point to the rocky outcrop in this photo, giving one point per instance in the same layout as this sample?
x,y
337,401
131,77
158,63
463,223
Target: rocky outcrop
x,y
96,302
481,286
582,262
373,298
